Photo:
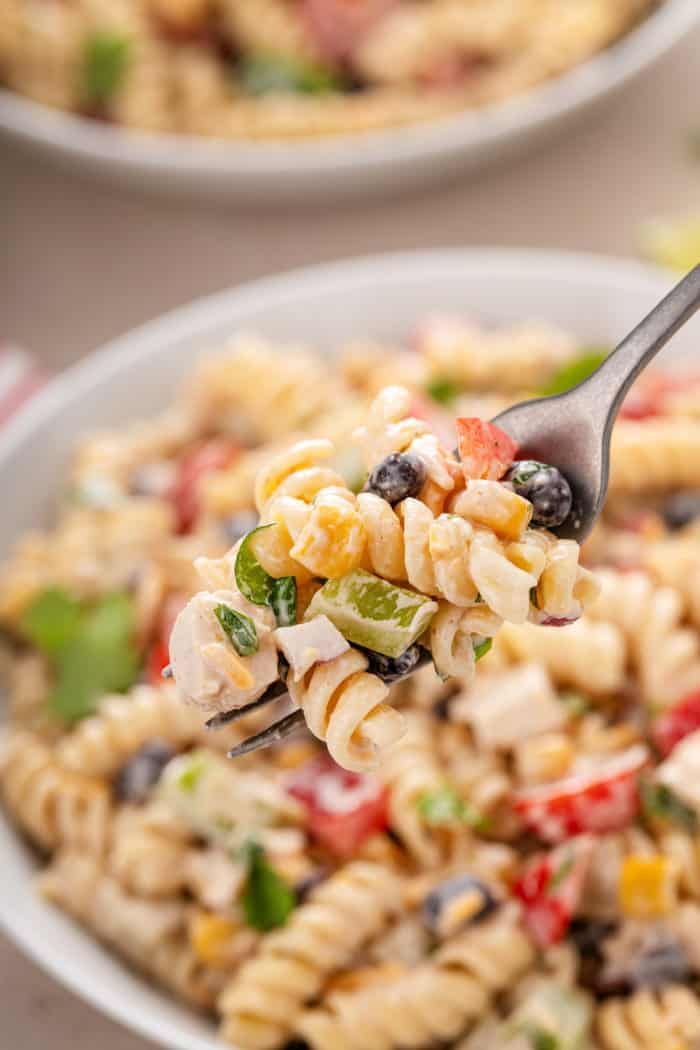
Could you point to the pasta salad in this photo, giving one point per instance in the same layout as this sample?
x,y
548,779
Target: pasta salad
x,y
519,869
290,69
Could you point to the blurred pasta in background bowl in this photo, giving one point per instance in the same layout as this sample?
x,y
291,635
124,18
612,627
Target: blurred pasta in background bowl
x,y
520,869
317,82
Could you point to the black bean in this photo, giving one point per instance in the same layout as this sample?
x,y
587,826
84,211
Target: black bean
x,y
392,668
137,776
400,475
545,487
446,895
681,508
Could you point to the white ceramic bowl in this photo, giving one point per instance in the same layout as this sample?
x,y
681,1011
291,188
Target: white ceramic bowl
x,y
597,299
344,165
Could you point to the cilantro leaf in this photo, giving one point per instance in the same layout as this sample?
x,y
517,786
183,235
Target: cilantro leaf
x,y
482,648
541,1039
105,62
283,600
192,771
574,372
661,803
445,807
444,391
99,658
51,620
558,876
238,628
267,899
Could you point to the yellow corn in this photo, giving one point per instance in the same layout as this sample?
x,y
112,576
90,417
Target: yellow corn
x,y
211,936
648,886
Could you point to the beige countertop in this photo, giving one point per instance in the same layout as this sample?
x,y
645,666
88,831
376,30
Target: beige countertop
x,y
81,262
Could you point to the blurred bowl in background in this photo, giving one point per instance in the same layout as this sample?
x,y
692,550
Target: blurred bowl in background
x,y
344,165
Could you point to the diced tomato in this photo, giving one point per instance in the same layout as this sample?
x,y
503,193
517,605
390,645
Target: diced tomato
x,y
158,655
647,398
338,26
158,659
205,459
678,722
550,889
486,451
343,808
602,800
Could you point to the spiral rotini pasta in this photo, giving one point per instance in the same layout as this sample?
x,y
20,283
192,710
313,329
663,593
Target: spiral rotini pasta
x,y
432,1003
149,934
344,706
100,745
262,1002
526,850
655,454
650,1020
666,654
411,771
54,806
148,855
593,658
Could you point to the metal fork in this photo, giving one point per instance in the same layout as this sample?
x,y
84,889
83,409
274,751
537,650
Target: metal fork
x,y
570,431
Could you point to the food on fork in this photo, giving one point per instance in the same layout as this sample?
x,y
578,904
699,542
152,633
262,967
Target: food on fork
x,y
340,593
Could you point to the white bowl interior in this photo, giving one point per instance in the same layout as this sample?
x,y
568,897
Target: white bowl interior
x,y
346,165
597,299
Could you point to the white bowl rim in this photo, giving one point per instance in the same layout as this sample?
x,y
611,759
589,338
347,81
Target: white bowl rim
x,y
182,156
197,319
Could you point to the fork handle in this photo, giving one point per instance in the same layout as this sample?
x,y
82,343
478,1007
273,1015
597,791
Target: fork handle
x,y
611,382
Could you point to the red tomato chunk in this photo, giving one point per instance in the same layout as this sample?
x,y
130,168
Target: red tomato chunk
x,y
343,808
485,450
601,800
678,722
207,458
550,889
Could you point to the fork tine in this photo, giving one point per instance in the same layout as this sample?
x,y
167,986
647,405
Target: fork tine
x,y
272,735
273,692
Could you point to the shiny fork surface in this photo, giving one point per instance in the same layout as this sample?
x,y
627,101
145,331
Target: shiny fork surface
x,y
572,431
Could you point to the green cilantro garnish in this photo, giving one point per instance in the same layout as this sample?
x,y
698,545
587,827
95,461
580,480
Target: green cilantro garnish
x,y
90,646
267,899
238,628
661,803
277,74
52,620
444,391
541,1039
446,807
482,648
574,372
283,601
105,62
192,773
560,873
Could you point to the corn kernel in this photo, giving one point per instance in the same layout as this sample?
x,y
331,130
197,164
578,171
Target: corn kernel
x,y
545,757
210,936
526,556
648,886
492,504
